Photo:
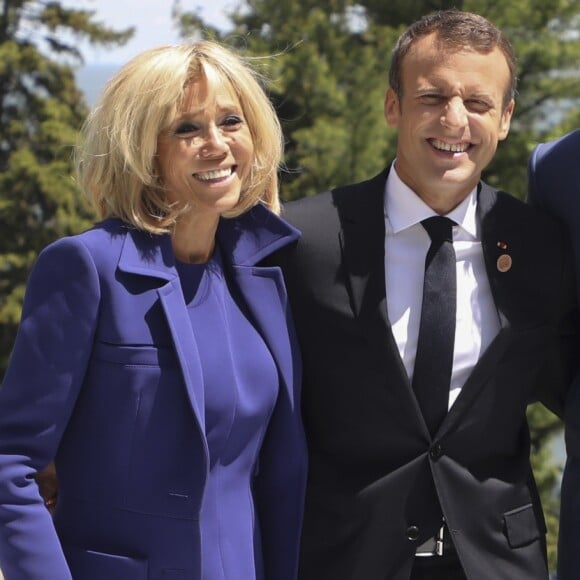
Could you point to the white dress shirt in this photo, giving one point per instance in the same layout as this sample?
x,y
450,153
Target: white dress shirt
x,y
406,245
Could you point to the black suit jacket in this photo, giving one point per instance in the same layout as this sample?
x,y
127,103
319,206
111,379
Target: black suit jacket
x,y
378,483
554,185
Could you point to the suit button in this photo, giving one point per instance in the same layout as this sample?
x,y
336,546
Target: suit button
x,y
413,533
436,451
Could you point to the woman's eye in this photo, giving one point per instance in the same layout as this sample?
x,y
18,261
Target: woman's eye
x,y
232,121
184,128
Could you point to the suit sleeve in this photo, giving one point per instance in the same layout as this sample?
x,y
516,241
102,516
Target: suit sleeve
x,y
45,374
561,367
562,361
533,192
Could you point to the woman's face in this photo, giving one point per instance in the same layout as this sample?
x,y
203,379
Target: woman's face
x,y
205,155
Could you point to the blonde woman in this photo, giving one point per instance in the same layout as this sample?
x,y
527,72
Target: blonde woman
x,y
155,362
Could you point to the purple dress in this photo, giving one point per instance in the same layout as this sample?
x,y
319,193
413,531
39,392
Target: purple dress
x,y
241,387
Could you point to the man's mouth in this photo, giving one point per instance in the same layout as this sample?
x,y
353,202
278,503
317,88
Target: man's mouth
x,y
449,147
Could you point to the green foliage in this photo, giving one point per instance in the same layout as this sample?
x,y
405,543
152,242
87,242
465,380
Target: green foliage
x,y
546,38
546,430
329,73
41,110
329,76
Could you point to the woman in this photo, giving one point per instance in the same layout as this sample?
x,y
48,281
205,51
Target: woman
x,y
155,362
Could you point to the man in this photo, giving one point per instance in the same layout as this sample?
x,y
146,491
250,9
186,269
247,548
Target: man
x,y
554,184
391,484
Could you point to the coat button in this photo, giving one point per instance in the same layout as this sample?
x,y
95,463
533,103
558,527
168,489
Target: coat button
x,y
413,533
436,451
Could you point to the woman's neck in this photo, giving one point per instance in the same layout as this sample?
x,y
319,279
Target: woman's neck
x,y
193,238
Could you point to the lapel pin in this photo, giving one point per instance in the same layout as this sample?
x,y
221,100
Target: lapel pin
x,y
504,262
502,245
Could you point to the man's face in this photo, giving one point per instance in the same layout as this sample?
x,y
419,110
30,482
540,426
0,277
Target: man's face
x,y
450,118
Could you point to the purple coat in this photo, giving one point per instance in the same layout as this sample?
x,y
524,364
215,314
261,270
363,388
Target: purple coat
x,y
105,378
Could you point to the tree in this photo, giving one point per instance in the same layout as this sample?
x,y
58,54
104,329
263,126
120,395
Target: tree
x,y
329,79
41,110
329,76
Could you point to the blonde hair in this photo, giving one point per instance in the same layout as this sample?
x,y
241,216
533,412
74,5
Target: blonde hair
x,y
115,160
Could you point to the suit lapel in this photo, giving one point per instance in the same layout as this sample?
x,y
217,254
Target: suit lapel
x,y
500,237
362,239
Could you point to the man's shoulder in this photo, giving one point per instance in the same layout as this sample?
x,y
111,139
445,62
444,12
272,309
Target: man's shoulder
x,y
557,156
509,213
510,207
318,201
334,202
562,145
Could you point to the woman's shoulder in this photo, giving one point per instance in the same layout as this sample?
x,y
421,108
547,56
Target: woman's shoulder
x,y
102,242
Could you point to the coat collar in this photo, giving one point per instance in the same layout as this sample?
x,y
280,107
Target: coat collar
x,y
245,241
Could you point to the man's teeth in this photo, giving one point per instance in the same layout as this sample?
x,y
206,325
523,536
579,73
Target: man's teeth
x,y
451,147
217,174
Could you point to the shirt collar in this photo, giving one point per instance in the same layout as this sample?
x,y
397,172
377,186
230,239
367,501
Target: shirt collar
x,y
404,208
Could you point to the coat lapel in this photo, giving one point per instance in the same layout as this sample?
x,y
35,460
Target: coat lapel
x,y
245,242
152,256
265,297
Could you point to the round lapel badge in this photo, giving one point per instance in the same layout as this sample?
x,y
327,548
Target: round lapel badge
x,y
504,262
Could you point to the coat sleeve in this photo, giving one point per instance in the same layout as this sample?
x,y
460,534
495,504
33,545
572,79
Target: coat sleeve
x,y
44,376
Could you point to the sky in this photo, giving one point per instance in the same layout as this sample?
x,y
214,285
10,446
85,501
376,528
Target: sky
x,y
152,20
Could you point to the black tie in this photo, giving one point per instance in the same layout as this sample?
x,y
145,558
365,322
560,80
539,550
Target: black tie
x,y
434,359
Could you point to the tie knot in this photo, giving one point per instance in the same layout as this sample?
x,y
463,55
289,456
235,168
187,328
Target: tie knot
x,y
439,228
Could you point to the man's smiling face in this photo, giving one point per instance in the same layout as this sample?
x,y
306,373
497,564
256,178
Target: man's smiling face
x,y
450,116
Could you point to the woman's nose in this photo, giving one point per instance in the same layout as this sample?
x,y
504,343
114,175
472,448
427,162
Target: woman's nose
x,y
214,143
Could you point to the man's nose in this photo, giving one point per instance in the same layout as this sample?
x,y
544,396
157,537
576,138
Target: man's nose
x,y
455,113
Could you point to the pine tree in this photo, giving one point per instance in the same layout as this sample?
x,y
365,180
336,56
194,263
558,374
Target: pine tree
x,y
41,110
329,74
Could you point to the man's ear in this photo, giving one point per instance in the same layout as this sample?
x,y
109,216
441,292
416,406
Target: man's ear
x,y
506,119
392,108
